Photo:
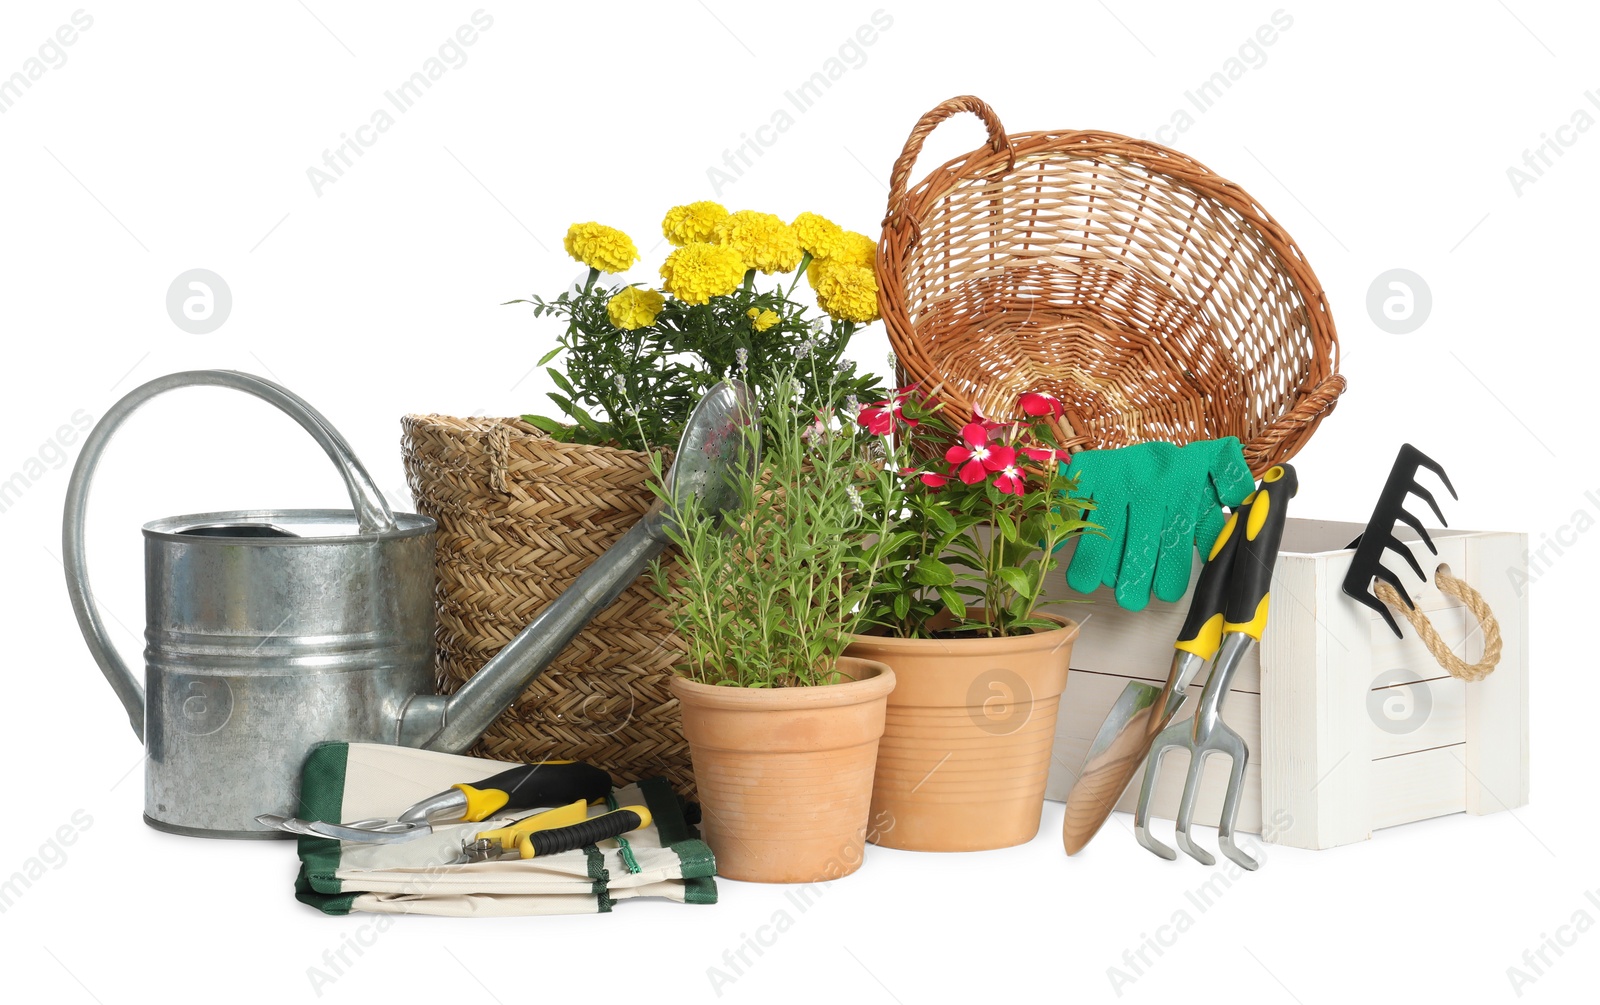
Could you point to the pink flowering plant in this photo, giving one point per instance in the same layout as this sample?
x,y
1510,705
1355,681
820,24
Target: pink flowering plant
x,y
975,526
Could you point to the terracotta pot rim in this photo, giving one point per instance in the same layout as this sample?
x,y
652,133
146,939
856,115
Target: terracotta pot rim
x,y
977,646
875,680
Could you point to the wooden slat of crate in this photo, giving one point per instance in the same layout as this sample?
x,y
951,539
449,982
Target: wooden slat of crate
x,y
1445,724
1420,785
1497,706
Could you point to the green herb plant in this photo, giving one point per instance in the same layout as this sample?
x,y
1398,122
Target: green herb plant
x,y
769,595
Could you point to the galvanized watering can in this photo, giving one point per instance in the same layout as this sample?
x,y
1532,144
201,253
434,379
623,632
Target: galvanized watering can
x,y
268,631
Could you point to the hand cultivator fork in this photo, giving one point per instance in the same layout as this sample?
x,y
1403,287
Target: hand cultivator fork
x,y
1225,624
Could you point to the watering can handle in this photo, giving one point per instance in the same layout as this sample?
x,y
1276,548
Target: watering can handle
x,y
371,509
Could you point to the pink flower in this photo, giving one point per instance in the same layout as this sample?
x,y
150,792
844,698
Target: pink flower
x,y
1009,480
876,419
1036,404
879,417
1045,455
975,456
987,423
815,430
933,481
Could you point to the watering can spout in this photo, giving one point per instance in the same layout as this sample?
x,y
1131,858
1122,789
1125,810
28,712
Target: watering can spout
x,y
717,441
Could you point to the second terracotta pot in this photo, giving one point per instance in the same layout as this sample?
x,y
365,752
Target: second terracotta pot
x,y
967,738
785,774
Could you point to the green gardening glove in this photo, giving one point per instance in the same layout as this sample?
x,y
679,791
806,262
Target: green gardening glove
x,y
1157,503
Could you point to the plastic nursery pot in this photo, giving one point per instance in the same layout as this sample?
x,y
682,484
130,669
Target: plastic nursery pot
x,y
785,774
966,746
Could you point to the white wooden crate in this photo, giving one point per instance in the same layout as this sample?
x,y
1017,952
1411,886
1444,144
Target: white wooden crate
x,y
1338,747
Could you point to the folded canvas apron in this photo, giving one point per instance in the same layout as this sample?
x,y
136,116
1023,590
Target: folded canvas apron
x,y
350,781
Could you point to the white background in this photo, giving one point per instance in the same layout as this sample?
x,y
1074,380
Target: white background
x,y
179,136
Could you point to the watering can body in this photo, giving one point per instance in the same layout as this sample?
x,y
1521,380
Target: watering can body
x,y
266,633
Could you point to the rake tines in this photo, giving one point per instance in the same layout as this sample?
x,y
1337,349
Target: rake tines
x,y
1379,536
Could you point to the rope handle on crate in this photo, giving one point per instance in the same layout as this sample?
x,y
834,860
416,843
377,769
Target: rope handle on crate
x,y
1451,586
998,142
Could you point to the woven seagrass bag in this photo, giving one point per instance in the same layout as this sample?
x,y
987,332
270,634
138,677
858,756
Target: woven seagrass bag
x,y
520,516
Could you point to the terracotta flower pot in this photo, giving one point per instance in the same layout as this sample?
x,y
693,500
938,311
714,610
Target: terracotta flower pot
x,y
785,774
966,747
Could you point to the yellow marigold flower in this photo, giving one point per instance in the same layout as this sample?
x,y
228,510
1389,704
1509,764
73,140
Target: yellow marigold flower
x,y
762,320
855,249
695,221
762,240
847,292
818,234
698,271
634,307
599,247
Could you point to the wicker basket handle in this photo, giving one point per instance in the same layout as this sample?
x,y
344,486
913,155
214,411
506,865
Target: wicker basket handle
x,y
1266,448
998,142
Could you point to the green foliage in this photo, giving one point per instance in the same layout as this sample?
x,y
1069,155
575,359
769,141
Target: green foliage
x,y
635,389
768,596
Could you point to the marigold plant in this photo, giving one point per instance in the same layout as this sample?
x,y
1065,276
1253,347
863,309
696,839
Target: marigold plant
x,y
635,360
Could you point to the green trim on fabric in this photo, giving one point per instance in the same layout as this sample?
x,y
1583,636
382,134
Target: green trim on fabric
x,y
667,810
322,798
338,905
626,849
629,862
600,876
700,890
695,861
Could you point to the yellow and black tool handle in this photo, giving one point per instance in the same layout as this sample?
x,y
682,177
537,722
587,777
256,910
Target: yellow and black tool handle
x,y
505,838
552,783
595,829
1261,519
1202,629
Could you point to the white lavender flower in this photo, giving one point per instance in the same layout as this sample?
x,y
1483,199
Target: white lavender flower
x,y
622,385
743,356
855,498
803,351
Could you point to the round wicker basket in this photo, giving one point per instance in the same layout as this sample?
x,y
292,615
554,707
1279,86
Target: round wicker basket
x,y
520,516
1157,300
